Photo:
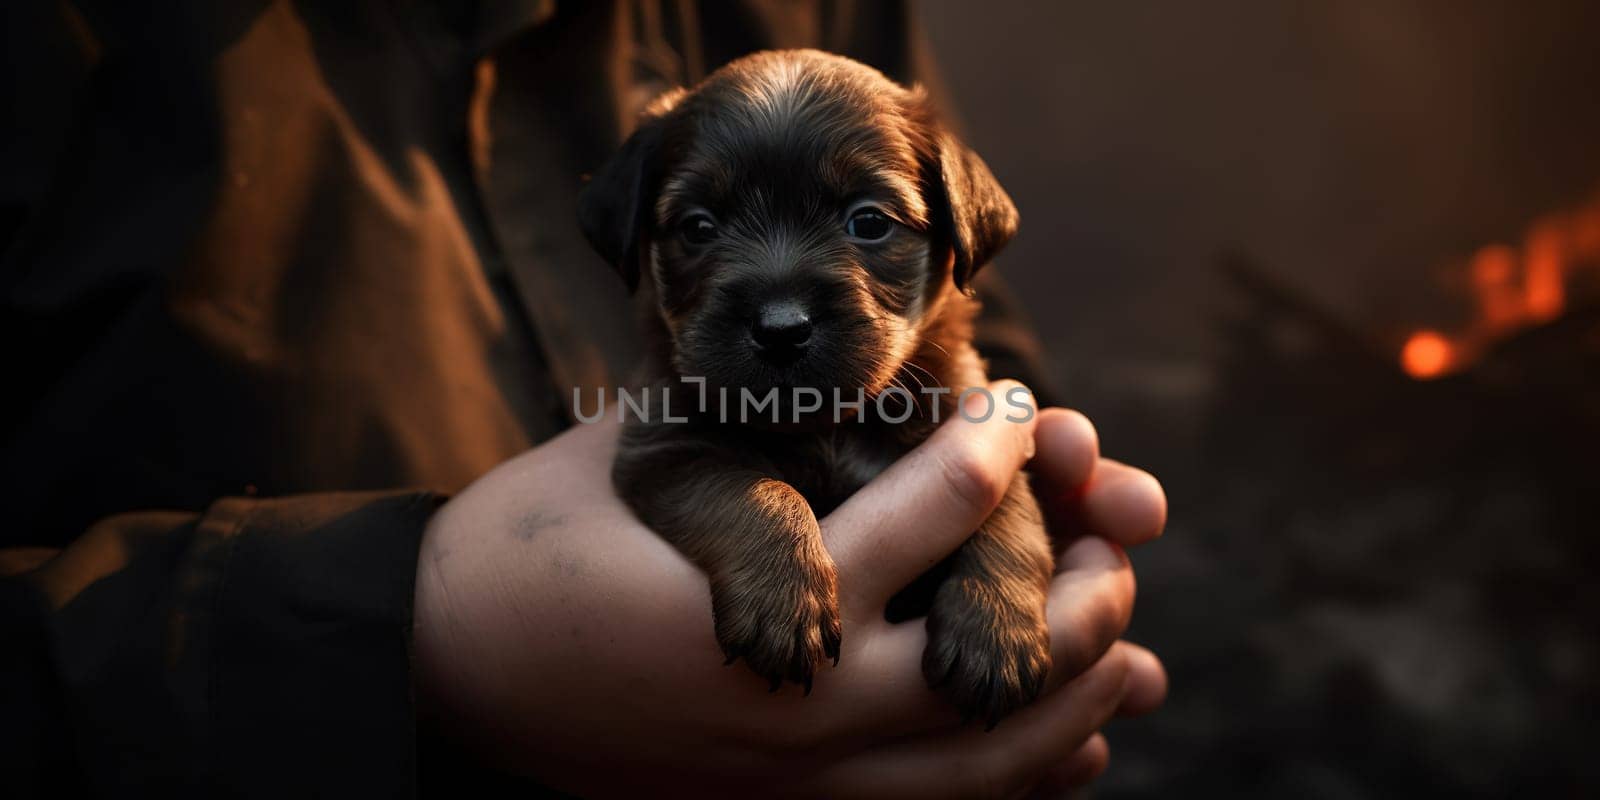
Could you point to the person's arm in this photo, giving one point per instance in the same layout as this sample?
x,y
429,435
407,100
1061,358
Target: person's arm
x,y
568,642
261,648
258,649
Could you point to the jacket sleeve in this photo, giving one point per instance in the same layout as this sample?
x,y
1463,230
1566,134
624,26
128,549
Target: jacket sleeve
x,y
245,651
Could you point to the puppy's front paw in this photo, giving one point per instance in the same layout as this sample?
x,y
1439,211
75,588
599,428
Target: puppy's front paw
x,y
782,620
988,649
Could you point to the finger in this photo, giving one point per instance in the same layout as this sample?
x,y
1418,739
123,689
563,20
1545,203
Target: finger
x,y
930,501
1076,771
1088,762
1124,504
969,762
1089,607
1147,683
1068,448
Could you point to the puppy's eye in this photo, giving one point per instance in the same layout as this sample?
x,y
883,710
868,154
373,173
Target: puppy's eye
x,y
698,229
869,224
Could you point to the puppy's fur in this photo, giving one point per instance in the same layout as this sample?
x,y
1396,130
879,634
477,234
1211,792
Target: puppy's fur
x,y
739,204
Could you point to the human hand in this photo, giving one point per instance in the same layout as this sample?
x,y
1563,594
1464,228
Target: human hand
x,y
1095,507
574,645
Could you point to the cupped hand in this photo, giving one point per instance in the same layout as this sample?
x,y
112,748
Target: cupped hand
x,y
567,642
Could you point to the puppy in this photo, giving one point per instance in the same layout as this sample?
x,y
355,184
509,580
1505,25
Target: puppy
x,y
800,223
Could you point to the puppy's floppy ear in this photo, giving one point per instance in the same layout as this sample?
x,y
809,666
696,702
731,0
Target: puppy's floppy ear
x,y
971,211
616,206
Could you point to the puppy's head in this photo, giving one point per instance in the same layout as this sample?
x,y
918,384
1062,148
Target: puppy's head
x,y
801,218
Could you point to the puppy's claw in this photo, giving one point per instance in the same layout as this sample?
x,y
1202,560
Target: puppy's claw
x,y
831,639
780,639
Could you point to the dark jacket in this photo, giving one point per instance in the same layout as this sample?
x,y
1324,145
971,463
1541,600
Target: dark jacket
x,y
296,270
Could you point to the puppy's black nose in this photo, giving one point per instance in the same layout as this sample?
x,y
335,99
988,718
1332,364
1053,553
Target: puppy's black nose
x,y
781,330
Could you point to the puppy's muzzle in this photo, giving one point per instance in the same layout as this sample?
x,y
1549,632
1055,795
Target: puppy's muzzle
x,y
781,331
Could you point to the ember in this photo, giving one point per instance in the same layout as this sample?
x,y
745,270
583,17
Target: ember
x,y
1513,289
1427,354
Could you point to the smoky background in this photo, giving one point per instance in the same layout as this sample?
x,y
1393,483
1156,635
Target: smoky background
x,y
1234,216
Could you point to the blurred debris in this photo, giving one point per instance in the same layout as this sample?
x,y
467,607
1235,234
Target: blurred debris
x,y
1377,585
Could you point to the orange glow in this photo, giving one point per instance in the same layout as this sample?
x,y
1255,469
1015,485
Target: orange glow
x,y
1427,354
1513,288
1544,266
1493,279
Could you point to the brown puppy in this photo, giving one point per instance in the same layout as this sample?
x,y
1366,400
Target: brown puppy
x,y
802,229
